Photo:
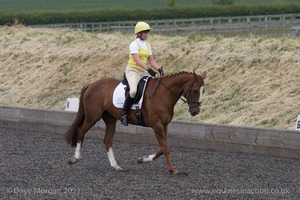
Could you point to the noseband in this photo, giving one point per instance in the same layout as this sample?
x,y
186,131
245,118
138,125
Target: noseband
x,y
189,101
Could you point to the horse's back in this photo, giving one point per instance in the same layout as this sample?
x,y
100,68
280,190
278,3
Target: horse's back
x,y
102,88
107,82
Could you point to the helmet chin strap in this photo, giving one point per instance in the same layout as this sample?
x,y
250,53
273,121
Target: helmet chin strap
x,y
139,35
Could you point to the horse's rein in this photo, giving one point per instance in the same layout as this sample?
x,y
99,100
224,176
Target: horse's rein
x,y
156,86
188,101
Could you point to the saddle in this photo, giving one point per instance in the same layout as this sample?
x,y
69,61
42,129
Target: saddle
x,y
140,88
122,90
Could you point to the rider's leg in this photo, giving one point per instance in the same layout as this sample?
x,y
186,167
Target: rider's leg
x,y
133,76
127,105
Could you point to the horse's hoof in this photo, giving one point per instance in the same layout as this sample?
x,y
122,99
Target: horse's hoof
x,y
140,160
72,161
116,167
145,159
174,171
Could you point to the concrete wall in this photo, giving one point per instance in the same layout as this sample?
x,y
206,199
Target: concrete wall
x,y
277,142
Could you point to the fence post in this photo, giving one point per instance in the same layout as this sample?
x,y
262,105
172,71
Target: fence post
x,y
254,29
295,31
213,32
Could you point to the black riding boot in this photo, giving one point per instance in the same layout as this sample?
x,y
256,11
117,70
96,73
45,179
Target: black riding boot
x,y
126,108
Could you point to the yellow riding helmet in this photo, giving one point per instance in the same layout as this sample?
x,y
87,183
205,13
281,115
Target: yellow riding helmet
x,y
141,26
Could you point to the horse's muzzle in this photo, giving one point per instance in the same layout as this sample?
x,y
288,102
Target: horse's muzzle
x,y
194,112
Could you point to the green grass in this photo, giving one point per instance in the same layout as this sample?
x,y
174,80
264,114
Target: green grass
x,y
30,5
30,12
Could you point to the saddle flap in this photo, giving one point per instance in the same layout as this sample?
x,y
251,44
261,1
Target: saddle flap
x,y
141,89
122,90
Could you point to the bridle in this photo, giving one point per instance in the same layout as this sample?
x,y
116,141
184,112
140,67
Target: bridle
x,y
188,94
189,100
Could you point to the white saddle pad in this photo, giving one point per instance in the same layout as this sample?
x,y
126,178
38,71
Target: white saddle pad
x,y
119,96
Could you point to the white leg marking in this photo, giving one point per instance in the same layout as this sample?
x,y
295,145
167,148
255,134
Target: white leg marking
x,y
148,158
77,151
112,160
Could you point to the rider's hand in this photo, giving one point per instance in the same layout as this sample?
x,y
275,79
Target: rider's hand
x,y
161,71
151,72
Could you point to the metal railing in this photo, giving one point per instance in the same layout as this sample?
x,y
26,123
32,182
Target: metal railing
x,y
257,25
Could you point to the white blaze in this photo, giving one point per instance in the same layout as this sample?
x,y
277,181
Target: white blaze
x,y
201,94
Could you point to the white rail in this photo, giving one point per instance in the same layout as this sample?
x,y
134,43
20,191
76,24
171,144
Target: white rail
x,y
257,25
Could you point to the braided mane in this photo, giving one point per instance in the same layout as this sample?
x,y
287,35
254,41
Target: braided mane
x,y
176,74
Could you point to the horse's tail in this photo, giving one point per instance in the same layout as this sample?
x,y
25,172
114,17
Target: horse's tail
x,y
71,135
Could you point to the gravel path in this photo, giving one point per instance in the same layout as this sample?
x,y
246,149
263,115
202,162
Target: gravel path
x,y
34,165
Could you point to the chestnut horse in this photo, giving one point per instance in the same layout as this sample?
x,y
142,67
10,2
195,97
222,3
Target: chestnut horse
x,y
157,111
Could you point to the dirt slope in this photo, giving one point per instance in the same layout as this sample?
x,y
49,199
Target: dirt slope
x,y
251,81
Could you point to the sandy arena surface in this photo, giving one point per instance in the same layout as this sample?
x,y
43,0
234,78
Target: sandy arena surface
x,y
34,166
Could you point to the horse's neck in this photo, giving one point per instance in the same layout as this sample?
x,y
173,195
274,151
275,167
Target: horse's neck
x,y
176,83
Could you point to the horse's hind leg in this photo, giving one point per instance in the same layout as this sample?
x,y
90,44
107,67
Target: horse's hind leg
x,y
110,123
76,157
81,132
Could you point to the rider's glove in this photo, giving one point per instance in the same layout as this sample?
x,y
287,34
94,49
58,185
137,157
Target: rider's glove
x,y
151,72
161,71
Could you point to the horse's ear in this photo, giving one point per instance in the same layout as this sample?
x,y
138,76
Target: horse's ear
x,y
203,75
195,75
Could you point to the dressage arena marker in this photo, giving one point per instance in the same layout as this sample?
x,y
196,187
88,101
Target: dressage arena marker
x,y
72,104
298,123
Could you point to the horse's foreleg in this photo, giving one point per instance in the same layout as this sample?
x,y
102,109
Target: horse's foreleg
x,y
166,152
161,135
110,123
150,158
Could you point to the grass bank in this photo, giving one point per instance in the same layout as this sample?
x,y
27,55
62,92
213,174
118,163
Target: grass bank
x,y
250,81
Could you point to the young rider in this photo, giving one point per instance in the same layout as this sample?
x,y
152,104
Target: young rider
x,y
140,55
